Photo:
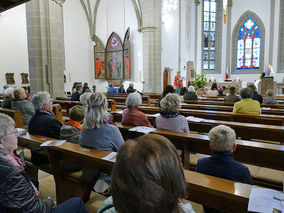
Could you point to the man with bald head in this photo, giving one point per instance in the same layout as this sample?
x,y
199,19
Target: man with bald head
x,y
130,89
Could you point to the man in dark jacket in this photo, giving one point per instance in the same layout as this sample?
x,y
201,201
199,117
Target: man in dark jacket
x,y
255,95
190,95
43,123
221,163
130,89
76,95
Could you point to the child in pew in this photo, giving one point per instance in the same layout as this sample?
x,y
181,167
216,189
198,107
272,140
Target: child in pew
x,y
147,177
71,130
221,163
18,194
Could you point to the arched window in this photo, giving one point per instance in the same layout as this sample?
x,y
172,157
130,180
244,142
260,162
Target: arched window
x,y
211,36
248,45
248,53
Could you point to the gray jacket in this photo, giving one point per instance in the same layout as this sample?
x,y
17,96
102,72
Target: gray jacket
x,y
26,107
70,133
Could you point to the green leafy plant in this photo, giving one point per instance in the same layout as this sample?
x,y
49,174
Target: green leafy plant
x,y
199,81
94,88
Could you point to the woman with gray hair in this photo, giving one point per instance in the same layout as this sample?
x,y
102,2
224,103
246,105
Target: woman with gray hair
x,y
133,115
84,98
43,123
97,132
221,163
247,105
190,95
19,103
169,117
18,193
8,97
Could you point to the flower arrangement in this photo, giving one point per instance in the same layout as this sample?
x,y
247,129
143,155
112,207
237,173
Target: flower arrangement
x,y
199,81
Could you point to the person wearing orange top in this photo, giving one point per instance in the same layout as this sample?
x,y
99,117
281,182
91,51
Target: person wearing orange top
x,y
178,82
70,131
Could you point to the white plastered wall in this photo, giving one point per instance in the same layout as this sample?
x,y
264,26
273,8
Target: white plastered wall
x,y
13,45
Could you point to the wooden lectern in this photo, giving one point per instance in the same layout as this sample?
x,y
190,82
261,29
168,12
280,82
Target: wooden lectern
x,y
266,83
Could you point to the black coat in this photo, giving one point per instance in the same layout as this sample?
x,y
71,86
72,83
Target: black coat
x,y
190,96
257,97
43,123
75,96
17,193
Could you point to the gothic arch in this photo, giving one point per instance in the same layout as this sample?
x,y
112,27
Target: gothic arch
x,y
235,35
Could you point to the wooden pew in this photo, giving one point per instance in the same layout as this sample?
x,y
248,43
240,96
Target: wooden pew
x,y
146,100
16,115
272,111
280,106
67,104
272,155
244,130
217,193
225,116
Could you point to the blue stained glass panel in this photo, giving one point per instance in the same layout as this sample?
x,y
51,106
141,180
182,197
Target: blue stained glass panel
x,y
212,26
205,65
212,65
249,24
206,26
212,36
213,17
256,43
206,16
248,42
241,44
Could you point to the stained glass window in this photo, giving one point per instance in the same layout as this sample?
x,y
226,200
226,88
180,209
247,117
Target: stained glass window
x,y
209,29
248,46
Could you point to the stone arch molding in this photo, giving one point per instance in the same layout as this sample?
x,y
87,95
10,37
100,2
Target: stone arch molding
x,y
259,22
92,16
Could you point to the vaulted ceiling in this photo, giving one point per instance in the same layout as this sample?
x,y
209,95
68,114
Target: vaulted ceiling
x,y
7,4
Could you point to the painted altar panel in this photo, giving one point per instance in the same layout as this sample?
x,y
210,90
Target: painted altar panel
x,y
99,58
114,57
126,56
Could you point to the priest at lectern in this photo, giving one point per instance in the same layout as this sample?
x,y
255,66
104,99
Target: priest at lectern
x,y
268,72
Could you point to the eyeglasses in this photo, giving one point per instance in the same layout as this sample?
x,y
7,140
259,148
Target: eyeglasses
x,y
15,132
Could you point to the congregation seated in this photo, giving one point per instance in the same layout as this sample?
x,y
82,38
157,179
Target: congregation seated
x,y
221,93
213,91
97,132
111,89
169,117
255,95
167,90
147,177
190,95
232,96
270,99
43,123
247,105
18,193
76,95
84,98
221,163
19,103
8,97
121,89
132,115
71,130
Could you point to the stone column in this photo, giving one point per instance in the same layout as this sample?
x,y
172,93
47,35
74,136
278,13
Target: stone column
x,y
152,24
229,25
45,46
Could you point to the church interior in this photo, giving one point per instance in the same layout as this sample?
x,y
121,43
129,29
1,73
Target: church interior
x,y
196,73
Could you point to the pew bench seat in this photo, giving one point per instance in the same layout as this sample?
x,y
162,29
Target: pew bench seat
x,y
261,175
